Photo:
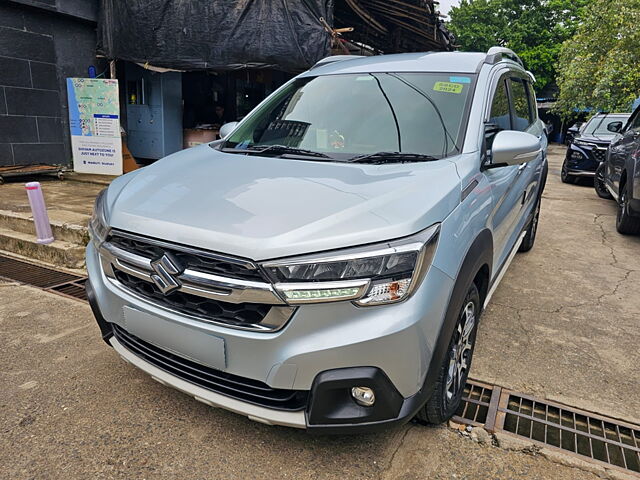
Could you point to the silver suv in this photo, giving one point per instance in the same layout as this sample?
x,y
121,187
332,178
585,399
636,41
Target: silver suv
x,y
325,265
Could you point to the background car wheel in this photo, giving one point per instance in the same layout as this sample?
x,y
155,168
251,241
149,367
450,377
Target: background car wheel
x,y
564,174
447,394
599,183
625,223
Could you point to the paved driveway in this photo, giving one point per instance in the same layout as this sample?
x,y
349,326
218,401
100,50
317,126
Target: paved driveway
x,y
562,324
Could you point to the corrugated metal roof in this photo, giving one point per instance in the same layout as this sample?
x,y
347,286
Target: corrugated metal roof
x,y
392,26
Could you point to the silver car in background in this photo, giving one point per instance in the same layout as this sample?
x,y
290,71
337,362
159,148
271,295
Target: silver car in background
x,y
325,265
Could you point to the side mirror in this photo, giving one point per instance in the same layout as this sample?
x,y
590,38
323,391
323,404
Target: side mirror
x,y
227,128
511,147
615,127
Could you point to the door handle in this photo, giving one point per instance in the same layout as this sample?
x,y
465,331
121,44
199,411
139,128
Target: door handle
x,y
522,166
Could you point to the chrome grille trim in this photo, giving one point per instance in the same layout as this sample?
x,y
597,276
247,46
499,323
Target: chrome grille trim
x,y
193,282
207,285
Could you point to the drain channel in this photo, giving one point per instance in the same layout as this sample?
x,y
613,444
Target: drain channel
x,y
601,439
51,280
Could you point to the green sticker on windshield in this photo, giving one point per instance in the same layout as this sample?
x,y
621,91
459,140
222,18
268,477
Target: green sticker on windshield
x,y
448,87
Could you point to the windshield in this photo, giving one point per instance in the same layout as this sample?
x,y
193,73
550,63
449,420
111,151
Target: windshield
x,y
598,124
348,116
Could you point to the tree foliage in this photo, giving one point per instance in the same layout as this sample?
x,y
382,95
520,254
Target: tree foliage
x,y
534,29
599,66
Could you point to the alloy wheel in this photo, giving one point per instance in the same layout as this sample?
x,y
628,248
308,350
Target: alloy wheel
x,y
460,355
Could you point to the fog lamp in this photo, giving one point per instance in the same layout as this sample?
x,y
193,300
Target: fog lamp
x,y
363,396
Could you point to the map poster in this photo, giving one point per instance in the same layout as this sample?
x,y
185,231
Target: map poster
x,y
94,119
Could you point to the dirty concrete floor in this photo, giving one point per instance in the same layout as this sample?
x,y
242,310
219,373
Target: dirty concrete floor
x,y
561,323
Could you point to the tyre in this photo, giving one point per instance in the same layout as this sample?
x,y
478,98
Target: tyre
x,y
532,229
625,223
599,183
564,174
454,371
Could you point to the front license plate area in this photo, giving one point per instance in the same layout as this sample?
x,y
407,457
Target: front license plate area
x,y
182,340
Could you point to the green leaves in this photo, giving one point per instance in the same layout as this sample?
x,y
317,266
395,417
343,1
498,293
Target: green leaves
x,y
534,29
599,66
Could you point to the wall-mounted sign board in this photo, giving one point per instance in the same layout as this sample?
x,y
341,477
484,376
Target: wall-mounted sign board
x,y
94,119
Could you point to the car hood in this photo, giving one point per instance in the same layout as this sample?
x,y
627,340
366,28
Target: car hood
x,y
264,207
603,138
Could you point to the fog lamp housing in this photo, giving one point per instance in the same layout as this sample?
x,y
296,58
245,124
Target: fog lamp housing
x,y
363,396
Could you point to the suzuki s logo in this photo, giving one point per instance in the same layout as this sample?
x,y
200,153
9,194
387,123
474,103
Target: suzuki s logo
x,y
166,269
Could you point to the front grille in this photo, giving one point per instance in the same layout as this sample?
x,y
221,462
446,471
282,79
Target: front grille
x,y
235,314
202,261
599,155
240,388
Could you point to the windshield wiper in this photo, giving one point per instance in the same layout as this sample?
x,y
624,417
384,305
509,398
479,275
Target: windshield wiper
x,y
277,150
392,157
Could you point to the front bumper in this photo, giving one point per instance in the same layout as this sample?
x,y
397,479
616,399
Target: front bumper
x,y
324,350
583,161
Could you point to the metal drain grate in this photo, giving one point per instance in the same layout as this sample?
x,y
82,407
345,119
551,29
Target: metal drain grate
x,y
476,400
23,272
584,434
74,289
48,279
599,438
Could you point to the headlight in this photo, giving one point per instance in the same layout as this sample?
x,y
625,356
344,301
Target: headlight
x,y
582,143
98,226
370,275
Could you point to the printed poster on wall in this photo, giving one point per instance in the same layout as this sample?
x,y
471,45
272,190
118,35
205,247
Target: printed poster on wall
x,y
94,119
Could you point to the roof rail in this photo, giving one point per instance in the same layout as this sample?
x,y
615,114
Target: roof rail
x,y
496,54
334,58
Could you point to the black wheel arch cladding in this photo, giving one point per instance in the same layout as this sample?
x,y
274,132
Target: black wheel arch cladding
x,y
479,256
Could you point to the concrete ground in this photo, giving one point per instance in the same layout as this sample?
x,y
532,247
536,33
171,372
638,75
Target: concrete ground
x,y
563,324
67,201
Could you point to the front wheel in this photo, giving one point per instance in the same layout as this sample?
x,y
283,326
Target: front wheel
x,y
599,183
564,174
454,371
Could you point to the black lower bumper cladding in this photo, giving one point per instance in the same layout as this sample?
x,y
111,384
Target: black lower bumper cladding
x,y
105,327
332,410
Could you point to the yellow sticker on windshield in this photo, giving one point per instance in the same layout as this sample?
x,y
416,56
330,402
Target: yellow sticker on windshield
x,y
448,87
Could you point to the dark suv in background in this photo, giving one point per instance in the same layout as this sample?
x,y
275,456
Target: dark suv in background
x,y
621,172
589,146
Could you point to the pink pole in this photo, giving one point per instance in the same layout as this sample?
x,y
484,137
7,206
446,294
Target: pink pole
x,y
39,210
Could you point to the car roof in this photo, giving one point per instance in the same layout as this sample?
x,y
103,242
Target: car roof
x,y
449,62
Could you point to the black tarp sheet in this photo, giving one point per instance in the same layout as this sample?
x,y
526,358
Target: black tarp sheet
x,y
216,34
